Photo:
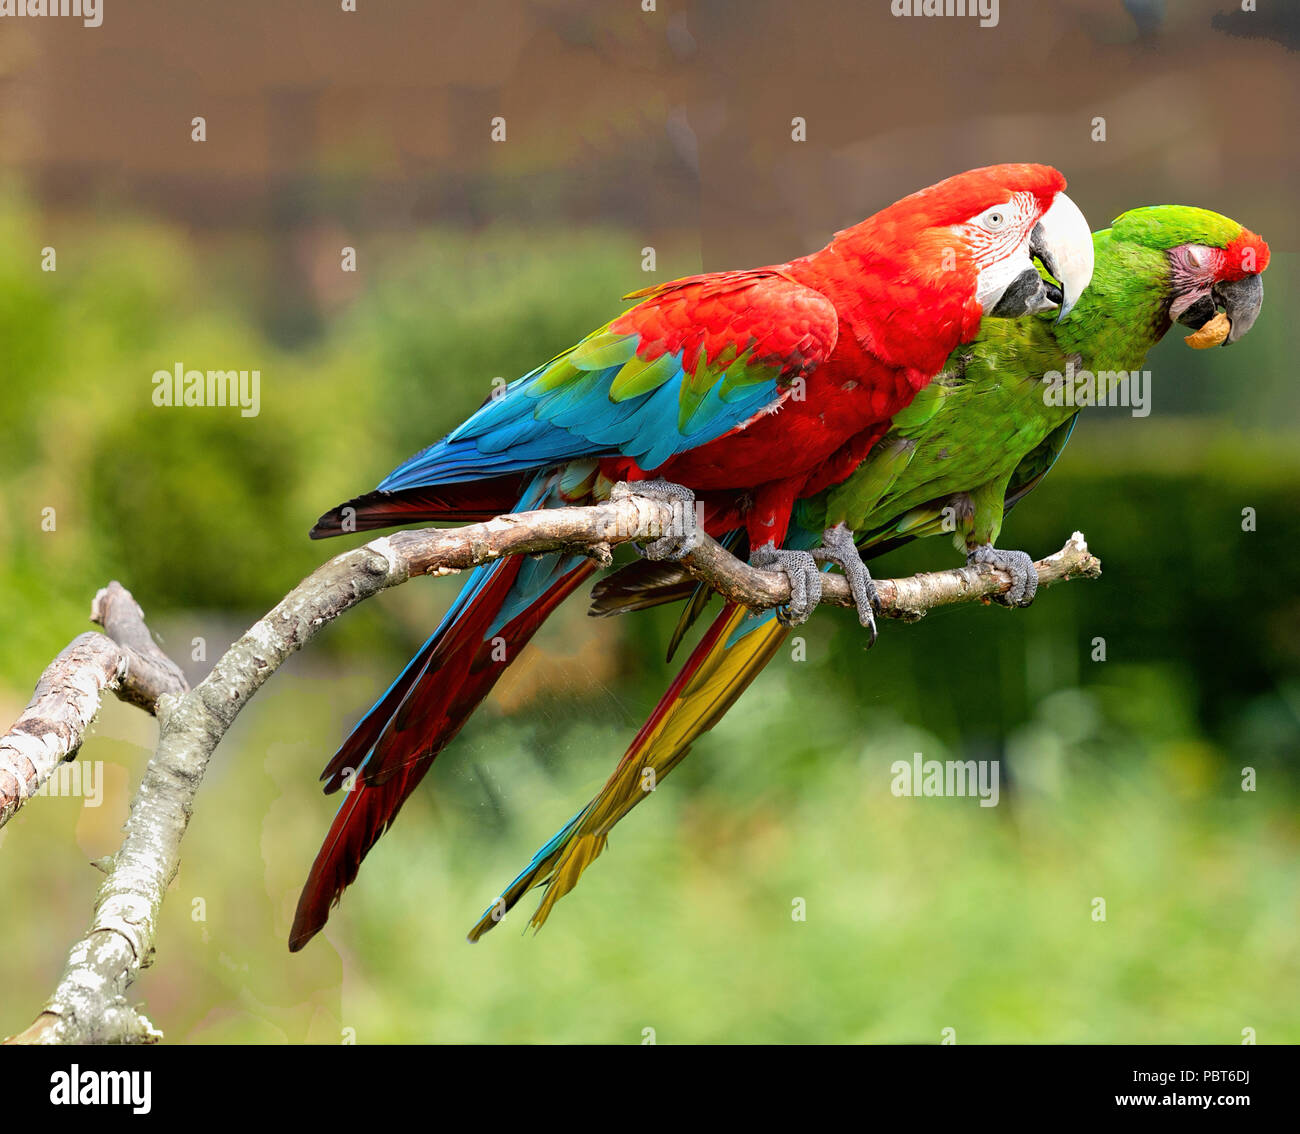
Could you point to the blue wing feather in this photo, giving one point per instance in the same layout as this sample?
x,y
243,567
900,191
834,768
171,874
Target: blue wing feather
x,y
604,398
527,428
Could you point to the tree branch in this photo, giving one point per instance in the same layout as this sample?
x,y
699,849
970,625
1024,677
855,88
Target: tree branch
x,y
89,1004
149,674
125,661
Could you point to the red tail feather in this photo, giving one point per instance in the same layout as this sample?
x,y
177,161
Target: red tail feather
x,y
411,725
469,503
367,813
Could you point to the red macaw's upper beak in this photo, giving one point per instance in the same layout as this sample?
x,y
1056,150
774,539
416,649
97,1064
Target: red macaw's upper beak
x,y
1062,242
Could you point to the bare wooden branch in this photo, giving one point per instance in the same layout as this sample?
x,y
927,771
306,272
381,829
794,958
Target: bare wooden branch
x,y
50,730
149,674
89,1004
906,599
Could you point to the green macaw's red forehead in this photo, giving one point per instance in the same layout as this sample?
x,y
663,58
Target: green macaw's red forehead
x,y
959,198
1167,226
1245,256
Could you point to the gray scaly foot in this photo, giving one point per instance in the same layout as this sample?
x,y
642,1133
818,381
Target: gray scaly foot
x,y
683,535
838,548
805,581
1017,564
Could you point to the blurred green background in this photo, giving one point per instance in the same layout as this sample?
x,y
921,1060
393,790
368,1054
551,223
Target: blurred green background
x,y
1122,778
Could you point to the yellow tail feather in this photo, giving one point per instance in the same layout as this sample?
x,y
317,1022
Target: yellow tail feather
x,y
712,680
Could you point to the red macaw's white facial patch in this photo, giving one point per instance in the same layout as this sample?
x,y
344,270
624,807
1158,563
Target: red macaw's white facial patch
x,y
998,239
1005,238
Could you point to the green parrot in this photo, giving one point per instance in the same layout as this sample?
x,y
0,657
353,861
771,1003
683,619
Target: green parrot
x,y
971,444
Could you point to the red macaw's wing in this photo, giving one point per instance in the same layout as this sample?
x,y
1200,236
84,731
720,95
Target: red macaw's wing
x,y
694,360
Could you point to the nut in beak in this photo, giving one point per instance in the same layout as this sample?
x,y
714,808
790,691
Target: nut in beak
x,y
1212,334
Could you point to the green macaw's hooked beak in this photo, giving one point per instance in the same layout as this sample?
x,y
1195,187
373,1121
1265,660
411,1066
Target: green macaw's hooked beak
x,y
1241,301
1062,242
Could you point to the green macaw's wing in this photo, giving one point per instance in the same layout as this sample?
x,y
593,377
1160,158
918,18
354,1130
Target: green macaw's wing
x,y
1030,472
853,501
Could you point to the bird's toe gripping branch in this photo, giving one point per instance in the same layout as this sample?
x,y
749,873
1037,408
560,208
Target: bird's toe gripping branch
x,y
683,535
1018,564
805,581
839,548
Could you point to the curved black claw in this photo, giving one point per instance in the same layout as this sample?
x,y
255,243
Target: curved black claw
x,y
1018,565
838,548
805,581
683,535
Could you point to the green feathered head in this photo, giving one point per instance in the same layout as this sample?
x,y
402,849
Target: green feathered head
x,y
1214,267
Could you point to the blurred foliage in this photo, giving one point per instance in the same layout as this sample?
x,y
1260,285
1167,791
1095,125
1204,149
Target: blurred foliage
x,y
1122,776
202,508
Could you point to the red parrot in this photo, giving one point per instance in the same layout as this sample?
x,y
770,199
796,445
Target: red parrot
x,y
752,389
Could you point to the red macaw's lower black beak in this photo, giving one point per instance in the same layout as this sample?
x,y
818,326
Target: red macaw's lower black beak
x,y
1027,294
1061,242
1240,300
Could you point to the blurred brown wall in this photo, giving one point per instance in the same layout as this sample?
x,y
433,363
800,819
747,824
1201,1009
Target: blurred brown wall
x,y
674,119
